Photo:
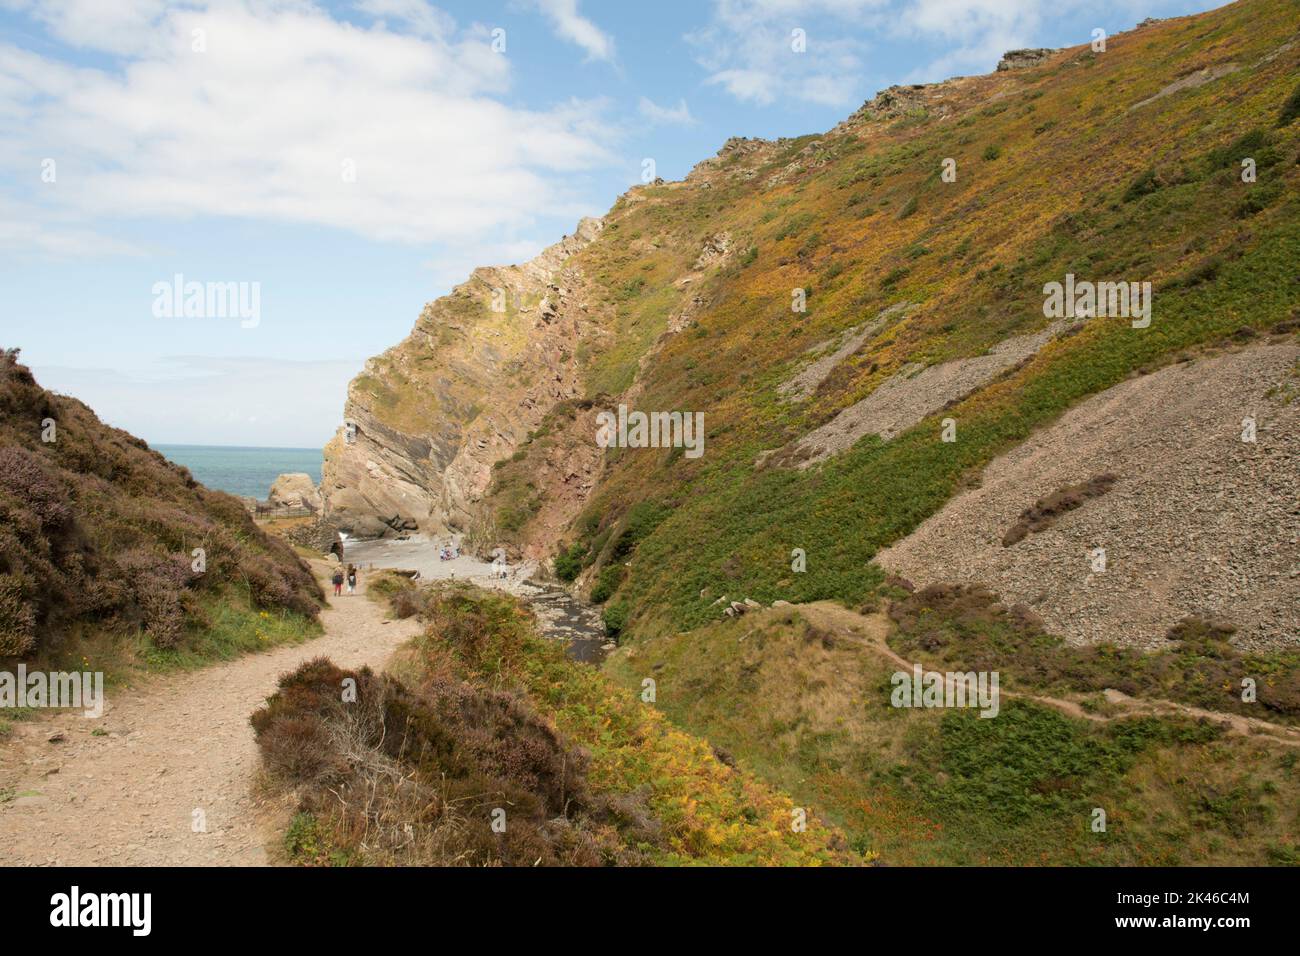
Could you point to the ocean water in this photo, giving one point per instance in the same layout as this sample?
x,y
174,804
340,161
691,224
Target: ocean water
x,y
242,471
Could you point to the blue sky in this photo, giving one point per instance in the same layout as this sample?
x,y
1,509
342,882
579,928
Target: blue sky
x,y
354,159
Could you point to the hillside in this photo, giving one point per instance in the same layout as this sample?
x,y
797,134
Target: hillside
x,y
924,300
911,438
482,745
113,556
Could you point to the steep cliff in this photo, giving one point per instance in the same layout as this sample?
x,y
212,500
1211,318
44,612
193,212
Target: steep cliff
x,y
863,320
426,419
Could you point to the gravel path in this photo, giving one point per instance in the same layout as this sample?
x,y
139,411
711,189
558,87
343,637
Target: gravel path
x,y
169,747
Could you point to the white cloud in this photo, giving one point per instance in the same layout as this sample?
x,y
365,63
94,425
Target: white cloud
x,y
746,47
762,50
113,26
420,17
267,121
981,29
574,27
679,115
35,232
748,86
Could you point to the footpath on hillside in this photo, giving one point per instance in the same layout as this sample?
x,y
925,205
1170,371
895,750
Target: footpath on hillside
x,y
127,788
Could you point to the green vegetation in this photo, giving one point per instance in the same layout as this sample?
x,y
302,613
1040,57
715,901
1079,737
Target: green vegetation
x,y
1075,178
798,697
568,562
482,713
962,628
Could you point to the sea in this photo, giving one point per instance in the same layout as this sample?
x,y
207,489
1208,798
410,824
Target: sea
x,y
242,471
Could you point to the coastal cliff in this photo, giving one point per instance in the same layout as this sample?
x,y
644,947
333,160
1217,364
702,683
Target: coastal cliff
x,y
426,420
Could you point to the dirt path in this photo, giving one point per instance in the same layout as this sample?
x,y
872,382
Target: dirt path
x,y
172,746
872,631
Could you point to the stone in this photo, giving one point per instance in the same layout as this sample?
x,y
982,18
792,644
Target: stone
x,y
295,490
1023,59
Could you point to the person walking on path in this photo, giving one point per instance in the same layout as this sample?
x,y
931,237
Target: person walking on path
x,y
352,579
338,581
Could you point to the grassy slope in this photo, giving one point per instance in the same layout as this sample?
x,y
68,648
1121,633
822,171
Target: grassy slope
x,y
973,256
807,708
97,542
703,811
1079,184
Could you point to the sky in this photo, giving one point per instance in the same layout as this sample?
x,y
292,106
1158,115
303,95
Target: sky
x,y
317,171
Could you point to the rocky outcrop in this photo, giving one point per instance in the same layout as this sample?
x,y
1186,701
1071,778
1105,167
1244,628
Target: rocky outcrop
x,y
425,421
899,100
1023,59
295,490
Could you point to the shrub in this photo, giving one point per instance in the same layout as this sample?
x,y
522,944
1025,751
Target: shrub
x,y
434,764
1046,510
607,582
568,562
1290,109
17,618
615,617
1146,183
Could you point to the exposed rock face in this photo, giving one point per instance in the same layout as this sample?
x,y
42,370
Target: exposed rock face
x,y
420,438
899,100
1023,59
295,490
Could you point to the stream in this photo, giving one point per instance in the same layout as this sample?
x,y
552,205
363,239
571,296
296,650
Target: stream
x,y
560,615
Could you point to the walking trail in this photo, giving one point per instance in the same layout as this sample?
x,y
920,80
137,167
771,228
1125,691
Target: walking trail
x,y
127,795
182,743
876,627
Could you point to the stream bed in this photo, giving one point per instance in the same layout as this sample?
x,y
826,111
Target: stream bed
x,y
560,615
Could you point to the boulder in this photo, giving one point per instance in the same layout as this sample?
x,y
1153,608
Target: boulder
x,y
1023,59
295,490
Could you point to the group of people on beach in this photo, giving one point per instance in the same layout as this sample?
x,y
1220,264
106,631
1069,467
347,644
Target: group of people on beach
x,y
449,552
350,578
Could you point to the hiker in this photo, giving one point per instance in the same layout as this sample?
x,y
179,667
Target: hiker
x,y
338,581
352,579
